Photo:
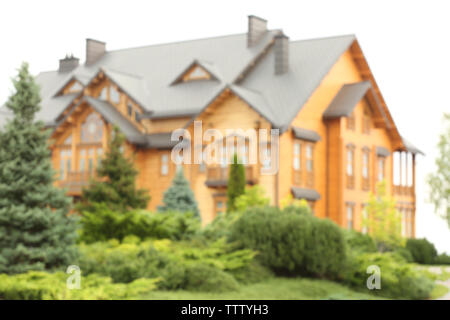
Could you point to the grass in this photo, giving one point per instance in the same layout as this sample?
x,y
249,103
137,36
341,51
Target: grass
x,y
438,291
272,289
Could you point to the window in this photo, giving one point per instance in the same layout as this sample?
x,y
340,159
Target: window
x,y
351,121
365,169
65,163
366,120
220,205
350,214
99,156
350,166
165,164
297,164
381,167
68,141
92,129
82,160
75,87
137,116
309,165
267,161
365,220
130,110
104,93
196,73
114,95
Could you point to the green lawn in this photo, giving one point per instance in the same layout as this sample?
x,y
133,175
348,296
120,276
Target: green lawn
x,y
272,289
438,291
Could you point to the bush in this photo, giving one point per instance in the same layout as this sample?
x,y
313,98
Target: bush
x,y
422,250
398,279
358,242
161,259
102,224
203,277
252,273
442,259
291,242
36,285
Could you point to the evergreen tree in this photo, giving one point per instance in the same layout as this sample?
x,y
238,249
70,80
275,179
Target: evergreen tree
x,y
36,231
115,184
236,183
179,196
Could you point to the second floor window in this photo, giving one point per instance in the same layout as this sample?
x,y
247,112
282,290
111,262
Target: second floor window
x,y
297,163
130,110
309,165
92,129
351,121
381,168
114,95
365,169
164,164
350,166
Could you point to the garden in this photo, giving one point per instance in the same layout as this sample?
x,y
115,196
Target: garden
x,y
123,251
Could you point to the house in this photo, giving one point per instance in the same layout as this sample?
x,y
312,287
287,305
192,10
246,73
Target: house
x,y
337,137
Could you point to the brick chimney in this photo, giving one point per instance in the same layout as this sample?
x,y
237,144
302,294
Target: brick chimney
x,y
94,50
257,27
281,50
68,63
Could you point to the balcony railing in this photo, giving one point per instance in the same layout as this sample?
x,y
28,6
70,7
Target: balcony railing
x,y
218,176
404,190
75,181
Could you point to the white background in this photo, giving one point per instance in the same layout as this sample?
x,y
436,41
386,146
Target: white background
x,y
407,44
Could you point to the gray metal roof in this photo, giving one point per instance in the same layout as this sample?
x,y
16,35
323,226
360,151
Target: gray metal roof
x,y
146,74
113,116
303,193
382,151
411,148
305,134
346,100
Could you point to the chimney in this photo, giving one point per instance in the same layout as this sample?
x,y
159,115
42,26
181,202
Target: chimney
x,y
68,63
257,27
281,50
94,50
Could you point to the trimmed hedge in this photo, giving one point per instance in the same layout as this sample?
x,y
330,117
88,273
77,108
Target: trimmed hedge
x,y
291,242
422,250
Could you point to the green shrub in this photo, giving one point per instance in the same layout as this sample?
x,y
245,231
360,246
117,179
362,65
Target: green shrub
x,y
52,286
203,277
422,250
442,259
291,242
161,259
403,253
252,273
398,279
102,224
358,242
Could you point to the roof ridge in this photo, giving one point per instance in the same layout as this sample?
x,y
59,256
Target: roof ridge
x,y
325,38
184,41
121,72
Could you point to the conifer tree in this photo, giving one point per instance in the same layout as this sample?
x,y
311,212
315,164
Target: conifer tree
x,y
116,181
179,196
36,231
236,183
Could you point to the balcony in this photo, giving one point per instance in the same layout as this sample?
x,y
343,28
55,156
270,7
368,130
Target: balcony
x,y
218,176
404,191
74,182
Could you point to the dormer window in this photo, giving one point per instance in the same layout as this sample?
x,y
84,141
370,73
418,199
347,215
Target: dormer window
x,y
75,87
137,116
196,71
104,94
130,109
114,95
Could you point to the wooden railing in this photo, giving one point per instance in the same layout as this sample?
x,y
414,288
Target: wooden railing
x,y
404,190
75,181
214,174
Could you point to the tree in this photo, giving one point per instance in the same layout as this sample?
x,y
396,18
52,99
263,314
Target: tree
x,y
179,196
440,180
36,231
384,220
115,184
236,183
252,197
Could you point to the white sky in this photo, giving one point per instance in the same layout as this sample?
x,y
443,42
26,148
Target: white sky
x,y
407,44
